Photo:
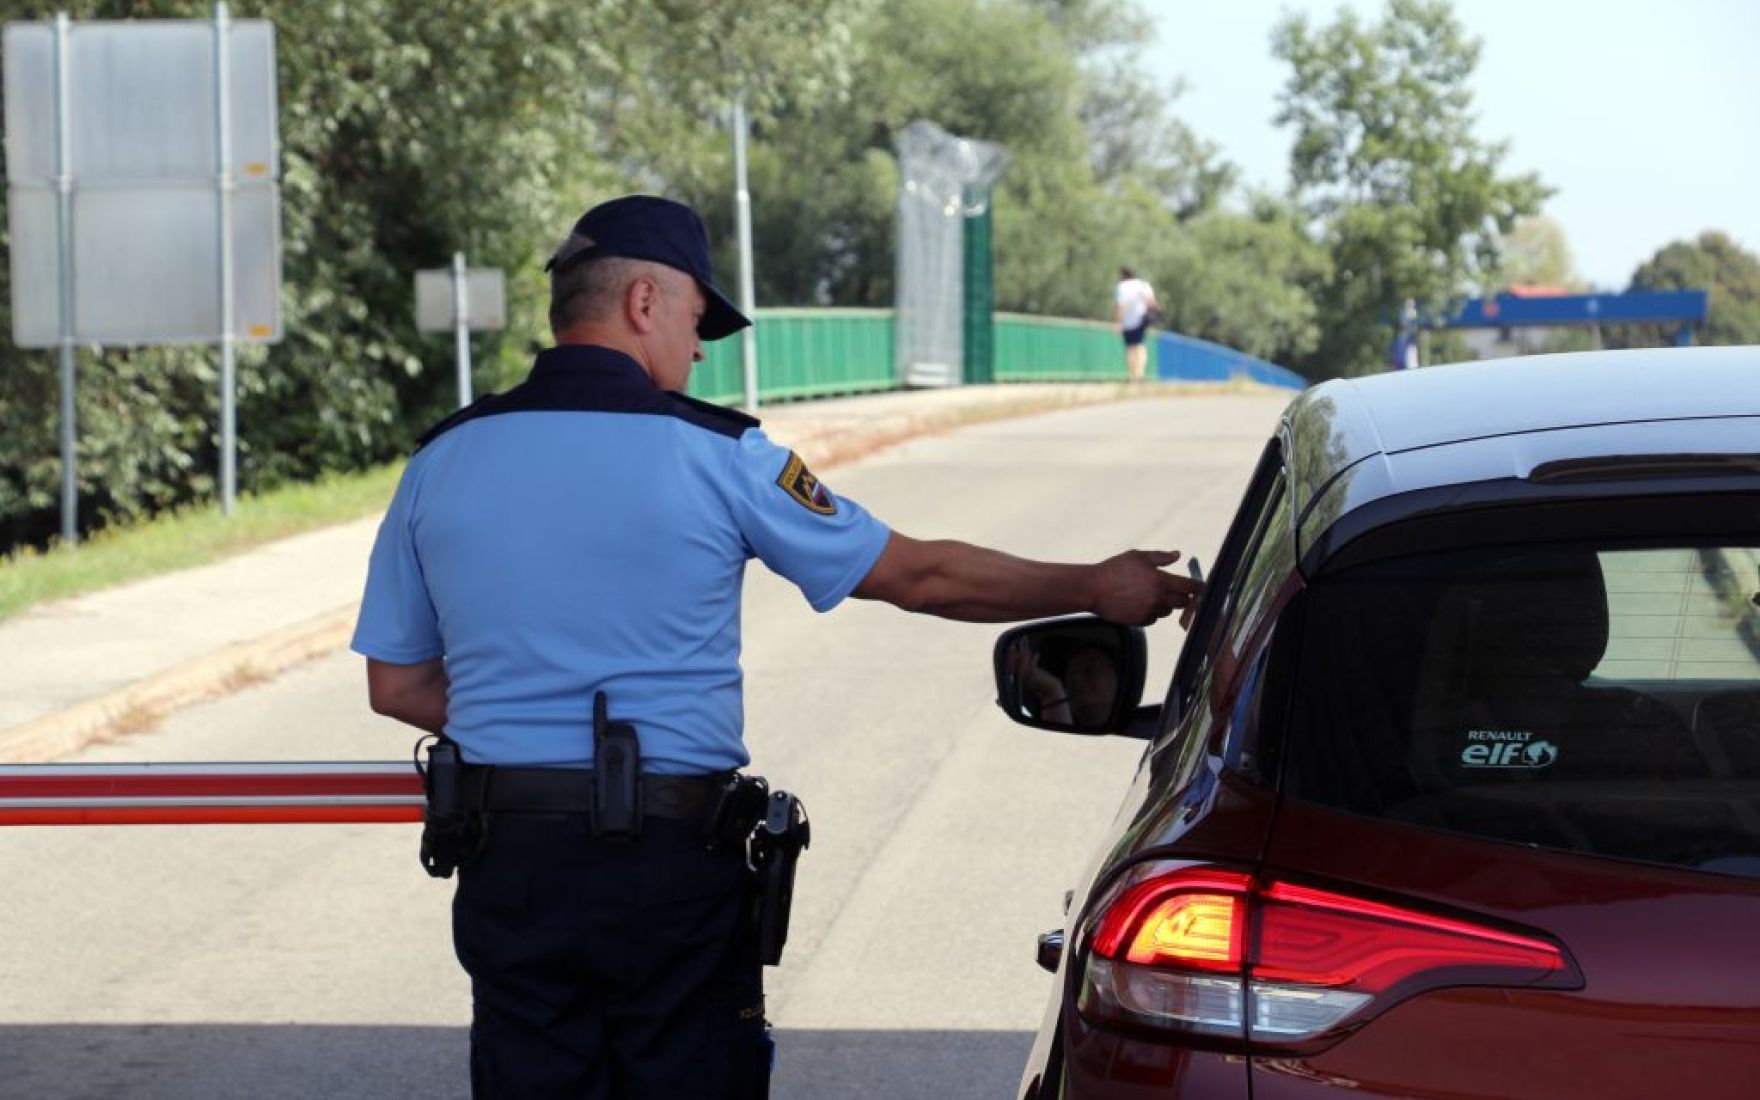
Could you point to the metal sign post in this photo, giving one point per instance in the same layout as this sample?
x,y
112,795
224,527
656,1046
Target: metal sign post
x,y
461,300
461,313
64,248
742,212
223,171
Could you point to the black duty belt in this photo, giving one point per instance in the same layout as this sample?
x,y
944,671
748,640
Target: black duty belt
x,y
570,791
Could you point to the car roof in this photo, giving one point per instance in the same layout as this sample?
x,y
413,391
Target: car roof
x,y
1499,419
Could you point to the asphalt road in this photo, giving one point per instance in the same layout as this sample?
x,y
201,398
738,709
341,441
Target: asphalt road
x,y
301,961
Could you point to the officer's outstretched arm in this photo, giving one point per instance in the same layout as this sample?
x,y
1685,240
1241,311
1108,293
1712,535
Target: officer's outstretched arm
x,y
409,693
957,580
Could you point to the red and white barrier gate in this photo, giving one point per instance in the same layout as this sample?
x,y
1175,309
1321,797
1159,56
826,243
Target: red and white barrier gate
x,y
209,794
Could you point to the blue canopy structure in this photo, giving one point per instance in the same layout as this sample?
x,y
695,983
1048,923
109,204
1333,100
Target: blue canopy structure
x,y
1638,307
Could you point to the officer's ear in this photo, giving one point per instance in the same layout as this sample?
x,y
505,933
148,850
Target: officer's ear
x,y
641,303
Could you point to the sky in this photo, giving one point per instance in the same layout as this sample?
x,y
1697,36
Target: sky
x,y
1643,115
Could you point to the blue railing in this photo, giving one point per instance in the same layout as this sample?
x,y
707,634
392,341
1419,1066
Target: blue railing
x,y
1187,359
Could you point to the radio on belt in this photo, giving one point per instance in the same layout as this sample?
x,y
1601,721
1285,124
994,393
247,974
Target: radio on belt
x,y
617,776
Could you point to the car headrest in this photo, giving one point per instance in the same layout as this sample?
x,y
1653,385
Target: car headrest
x,y
1536,614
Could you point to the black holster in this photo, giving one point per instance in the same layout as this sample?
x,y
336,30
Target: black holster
x,y
452,834
776,848
739,807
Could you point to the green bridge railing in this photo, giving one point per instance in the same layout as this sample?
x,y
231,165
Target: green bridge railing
x,y
824,352
1057,349
803,353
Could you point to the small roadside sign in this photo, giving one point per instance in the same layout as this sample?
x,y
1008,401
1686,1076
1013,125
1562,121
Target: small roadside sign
x,y
485,297
464,300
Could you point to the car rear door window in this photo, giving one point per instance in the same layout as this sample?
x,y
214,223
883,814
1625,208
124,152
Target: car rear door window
x,y
1259,531
1590,698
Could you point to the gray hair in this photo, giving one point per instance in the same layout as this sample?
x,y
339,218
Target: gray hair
x,y
587,290
592,289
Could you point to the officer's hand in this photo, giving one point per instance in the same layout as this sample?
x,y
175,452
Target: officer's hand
x,y
1132,589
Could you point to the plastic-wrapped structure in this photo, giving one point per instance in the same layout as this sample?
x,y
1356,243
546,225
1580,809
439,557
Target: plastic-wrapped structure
x,y
943,181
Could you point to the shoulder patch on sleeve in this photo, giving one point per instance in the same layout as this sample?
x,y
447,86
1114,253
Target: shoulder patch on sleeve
x,y
798,482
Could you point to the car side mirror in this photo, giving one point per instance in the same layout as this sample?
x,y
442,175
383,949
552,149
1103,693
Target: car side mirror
x,y
1078,675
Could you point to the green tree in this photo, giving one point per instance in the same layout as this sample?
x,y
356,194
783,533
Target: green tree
x,y
1713,263
409,129
1408,200
1536,253
1242,280
413,128
1054,82
999,72
1135,138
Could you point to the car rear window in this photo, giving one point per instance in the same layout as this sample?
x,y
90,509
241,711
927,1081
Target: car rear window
x,y
1585,698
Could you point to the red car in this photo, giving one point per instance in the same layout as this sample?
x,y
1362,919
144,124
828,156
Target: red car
x,y
1456,790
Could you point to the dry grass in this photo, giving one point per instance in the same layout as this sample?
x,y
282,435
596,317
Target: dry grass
x,y
136,717
242,675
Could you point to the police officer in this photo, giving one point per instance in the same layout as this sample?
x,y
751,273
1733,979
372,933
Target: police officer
x,y
581,538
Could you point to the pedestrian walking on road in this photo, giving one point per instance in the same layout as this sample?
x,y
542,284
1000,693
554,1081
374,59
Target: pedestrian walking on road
x,y
1134,310
555,590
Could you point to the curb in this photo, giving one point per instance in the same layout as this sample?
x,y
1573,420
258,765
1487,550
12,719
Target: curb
x,y
144,704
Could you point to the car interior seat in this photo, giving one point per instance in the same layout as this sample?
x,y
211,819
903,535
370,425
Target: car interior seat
x,y
1512,737
1727,725
1509,662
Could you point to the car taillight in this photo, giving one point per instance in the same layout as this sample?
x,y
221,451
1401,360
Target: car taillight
x,y
1195,919
1168,951
1210,952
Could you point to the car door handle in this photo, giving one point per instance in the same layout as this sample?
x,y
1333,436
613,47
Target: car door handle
x,y
1050,953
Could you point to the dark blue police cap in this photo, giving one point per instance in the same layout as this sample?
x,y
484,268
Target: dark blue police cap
x,y
643,227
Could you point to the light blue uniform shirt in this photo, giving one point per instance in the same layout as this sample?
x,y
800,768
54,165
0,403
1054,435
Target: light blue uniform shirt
x,y
589,532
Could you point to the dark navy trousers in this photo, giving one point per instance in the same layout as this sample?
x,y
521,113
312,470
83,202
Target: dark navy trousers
x,y
609,970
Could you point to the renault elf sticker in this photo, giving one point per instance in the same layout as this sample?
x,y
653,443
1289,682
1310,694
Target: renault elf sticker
x,y
1516,749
